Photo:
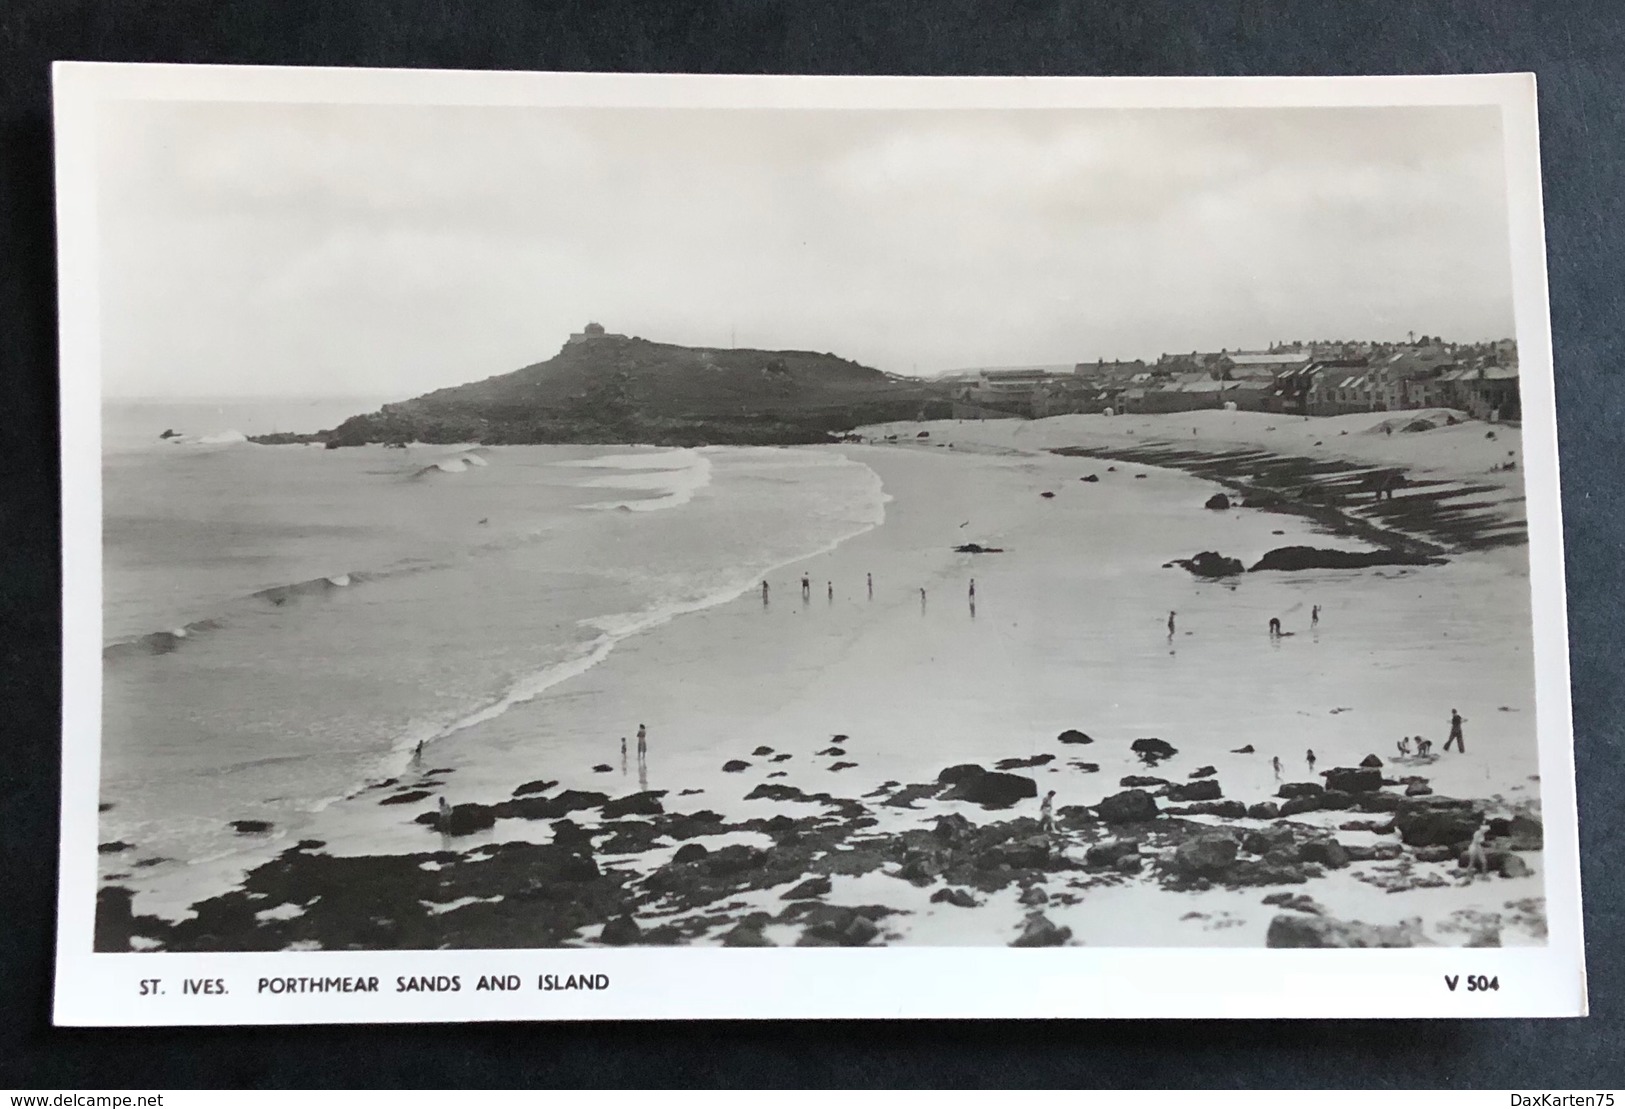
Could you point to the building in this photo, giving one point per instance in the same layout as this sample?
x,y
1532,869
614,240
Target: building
x,y
590,332
1262,365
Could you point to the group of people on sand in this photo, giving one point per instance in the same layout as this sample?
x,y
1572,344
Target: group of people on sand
x,y
1274,624
869,587
1423,748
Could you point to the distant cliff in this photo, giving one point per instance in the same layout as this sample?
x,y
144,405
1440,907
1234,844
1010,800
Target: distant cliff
x,y
626,390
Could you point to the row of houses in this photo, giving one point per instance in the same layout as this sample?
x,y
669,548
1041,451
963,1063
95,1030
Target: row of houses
x,y
1480,380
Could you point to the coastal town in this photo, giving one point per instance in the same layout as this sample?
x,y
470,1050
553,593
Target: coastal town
x,y
1303,378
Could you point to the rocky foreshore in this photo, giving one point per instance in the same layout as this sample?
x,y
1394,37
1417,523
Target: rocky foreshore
x,y
634,869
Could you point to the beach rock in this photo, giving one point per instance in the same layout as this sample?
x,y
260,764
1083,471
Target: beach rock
x,y
310,845
689,792
1265,841
690,852
602,768
635,804
949,895
1090,478
1335,800
780,757
1292,806
1129,864
1293,930
1375,827
1218,502
1230,810
1107,854
540,785
905,797
1440,824
1205,789
1350,779
621,931
1203,772
1129,807
1327,852
779,774
952,828
113,848
1030,853
762,752
1211,564
833,752
837,766
1504,863
104,806
1084,767
977,548
1521,832
745,935
1263,810
1247,750
1072,735
462,820
1417,789
1142,781
816,886
1017,764
1033,895
837,926
251,827
992,790
1377,802
734,766
960,772
1320,558
1206,855
1371,761
1298,902
405,798
1040,931
1152,749
1300,789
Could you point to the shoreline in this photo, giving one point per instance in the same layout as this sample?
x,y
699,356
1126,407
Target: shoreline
x,y
831,666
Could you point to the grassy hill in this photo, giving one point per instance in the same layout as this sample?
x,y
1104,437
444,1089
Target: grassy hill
x,y
621,390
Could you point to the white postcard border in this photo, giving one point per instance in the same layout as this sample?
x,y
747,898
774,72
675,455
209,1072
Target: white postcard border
x,y
104,989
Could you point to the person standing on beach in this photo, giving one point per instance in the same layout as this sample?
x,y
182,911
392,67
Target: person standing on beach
x,y
806,587
444,823
417,754
764,594
1310,758
623,754
1171,615
1314,617
643,743
829,588
1455,734
973,590
869,579
1276,763
1275,627
1477,861
1046,812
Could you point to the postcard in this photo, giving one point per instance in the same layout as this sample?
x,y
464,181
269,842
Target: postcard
x,y
560,546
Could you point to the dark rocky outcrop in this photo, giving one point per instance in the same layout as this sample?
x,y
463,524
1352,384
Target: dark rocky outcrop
x,y
990,789
635,804
1072,735
949,895
1018,764
1203,789
1371,761
1320,558
1295,930
1436,822
251,827
734,766
1230,810
1152,750
1211,564
603,768
1040,931
113,848
1142,781
977,548
621,931
1203,772
1107,853
1247,750
690,852
1263,810
540,785
1206,855
405,798
1352,779
1300,789
1129,807
811,888
762,752
1218,502
837,926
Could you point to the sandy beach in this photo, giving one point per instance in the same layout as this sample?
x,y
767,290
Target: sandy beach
x,y
795,788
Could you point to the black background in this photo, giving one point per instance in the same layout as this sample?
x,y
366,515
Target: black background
x,y
1577,50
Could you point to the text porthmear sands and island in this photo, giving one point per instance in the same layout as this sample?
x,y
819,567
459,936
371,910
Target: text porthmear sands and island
x,y
1119,654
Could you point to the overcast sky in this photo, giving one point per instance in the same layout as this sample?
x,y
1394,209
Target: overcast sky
x,y
364,250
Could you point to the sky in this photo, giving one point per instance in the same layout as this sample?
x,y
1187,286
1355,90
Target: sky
x,y
376,250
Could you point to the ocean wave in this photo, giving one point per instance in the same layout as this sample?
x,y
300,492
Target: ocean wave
x,y
675,485
452,464
172,639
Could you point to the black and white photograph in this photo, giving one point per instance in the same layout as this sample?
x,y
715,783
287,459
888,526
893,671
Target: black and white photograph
x,y
793,515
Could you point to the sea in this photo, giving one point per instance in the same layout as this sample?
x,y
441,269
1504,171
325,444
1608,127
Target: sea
x,y
285,625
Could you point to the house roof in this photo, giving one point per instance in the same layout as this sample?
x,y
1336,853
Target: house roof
x,y
1266,358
